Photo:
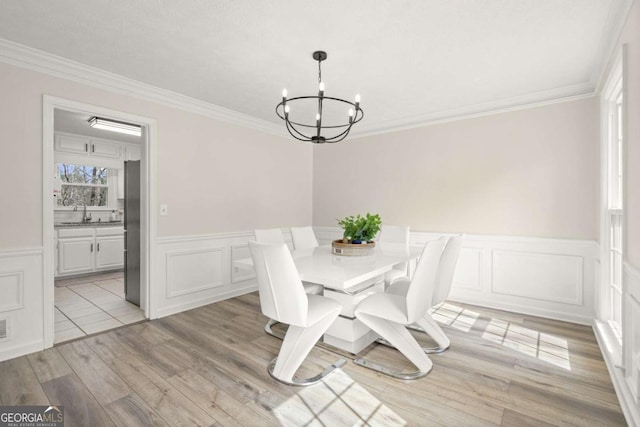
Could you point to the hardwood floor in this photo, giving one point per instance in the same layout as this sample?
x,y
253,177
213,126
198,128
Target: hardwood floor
x,y
208,367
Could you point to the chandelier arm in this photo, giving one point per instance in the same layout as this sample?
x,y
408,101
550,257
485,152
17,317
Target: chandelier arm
x,y
304,137
341,136
289,101
291,127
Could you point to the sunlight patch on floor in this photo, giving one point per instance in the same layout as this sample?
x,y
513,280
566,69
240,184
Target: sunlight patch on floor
x,y
454,316
548,348
337,400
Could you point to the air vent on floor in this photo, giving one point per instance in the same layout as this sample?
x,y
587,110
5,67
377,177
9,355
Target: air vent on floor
x,y
3,328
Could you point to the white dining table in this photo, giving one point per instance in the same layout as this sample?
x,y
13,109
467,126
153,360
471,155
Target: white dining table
x,y
348,273
348,280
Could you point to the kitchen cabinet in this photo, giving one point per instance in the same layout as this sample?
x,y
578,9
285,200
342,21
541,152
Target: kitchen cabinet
x,y
120,183
88,249
88,147
75,255
106,149
109,252
72,144
133,152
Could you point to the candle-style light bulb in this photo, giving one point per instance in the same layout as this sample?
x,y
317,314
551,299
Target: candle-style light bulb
x,y
284,96
357,101
286,111
350,115
321,88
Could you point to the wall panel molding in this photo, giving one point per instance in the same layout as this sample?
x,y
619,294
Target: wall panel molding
x,y
193,271
553,278
239,252
12,291
544,276
21,302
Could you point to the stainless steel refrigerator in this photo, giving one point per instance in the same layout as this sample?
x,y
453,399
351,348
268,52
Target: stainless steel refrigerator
x,y
132,231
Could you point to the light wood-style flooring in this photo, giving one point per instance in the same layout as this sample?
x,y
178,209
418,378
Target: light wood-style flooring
x,y
208,367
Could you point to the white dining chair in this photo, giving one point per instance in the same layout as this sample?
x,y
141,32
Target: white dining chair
x,y
282,297
269,235
303,237
444,279
274,235
389,314
398,235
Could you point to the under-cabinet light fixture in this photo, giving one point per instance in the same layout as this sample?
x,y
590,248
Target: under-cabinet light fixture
x,y
115,126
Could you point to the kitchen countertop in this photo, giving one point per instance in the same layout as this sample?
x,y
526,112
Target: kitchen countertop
x,y
89,224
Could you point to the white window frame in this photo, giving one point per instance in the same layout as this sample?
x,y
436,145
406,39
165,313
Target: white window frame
x,y
610,308
112,188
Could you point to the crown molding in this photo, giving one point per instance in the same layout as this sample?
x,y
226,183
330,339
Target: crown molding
x,y
532,100
26,57
613,29
33,59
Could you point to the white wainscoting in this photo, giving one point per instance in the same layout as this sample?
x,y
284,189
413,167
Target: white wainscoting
x,y
552,278
192,271
21,303
625,369
631,334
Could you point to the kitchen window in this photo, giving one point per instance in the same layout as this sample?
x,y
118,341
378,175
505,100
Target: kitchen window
x,y
81,185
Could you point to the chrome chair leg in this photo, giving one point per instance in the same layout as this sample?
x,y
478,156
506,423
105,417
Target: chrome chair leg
x,y
306,381
429,326
268,329
427,350
403,341
387,371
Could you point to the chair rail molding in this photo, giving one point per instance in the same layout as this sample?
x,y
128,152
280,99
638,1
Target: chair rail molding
x,y
552,278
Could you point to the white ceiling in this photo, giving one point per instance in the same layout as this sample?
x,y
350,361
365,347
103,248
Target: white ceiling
x,y
412,61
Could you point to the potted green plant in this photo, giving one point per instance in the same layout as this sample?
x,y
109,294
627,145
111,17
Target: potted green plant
x,y
357,238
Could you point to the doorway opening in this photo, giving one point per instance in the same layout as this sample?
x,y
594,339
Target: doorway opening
x,y
97,221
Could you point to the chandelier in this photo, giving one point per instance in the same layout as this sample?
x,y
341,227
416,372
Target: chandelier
x,y
315,132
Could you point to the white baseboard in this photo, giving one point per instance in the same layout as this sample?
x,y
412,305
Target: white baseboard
x,y
21,349
221,296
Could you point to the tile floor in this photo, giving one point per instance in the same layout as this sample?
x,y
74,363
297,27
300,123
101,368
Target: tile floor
x,y
90,304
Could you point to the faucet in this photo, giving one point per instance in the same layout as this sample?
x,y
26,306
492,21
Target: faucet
x,y
85,218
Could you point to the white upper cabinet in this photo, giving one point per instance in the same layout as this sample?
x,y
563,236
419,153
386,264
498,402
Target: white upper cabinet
x,y
133,152
72,144
78,145
107,149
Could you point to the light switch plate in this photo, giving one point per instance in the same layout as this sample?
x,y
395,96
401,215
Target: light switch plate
x,y
164,210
